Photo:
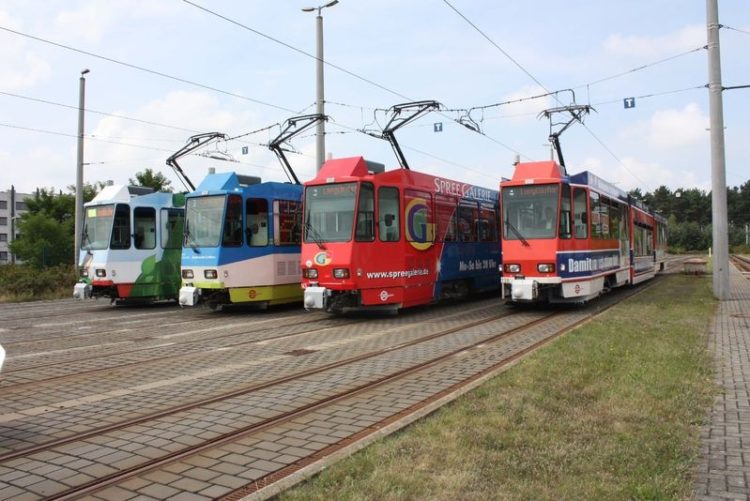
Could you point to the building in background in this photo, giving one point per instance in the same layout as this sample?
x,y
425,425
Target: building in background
x,y
12,205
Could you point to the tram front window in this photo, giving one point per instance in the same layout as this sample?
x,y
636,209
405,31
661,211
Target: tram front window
x,y
530,211
329,212
203,218
97,227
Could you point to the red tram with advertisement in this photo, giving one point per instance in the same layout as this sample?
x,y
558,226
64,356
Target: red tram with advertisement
x,y
571,238
376,239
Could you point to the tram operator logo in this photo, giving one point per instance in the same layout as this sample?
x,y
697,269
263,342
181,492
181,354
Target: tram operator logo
x,y
419,232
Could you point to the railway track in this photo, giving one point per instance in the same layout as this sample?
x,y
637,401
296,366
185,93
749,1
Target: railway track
x,y
304,396
741,262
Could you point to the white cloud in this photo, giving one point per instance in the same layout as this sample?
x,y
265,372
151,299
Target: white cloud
x,y
669,129
527,108
687,38
92,20
646,175
197,111
19,67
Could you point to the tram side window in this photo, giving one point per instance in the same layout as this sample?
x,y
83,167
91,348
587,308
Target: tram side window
x,y
256,210
580,219
487,226
365,231
467,215
643,236
144,227
121,228
172,223
597,224
232,236
565,213
388,211
288,222
445,214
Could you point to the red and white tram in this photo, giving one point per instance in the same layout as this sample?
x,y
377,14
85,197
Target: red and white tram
x,y
570,238
376,239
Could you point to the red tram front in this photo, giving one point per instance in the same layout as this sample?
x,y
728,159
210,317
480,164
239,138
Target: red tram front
x,y
376,239
570,238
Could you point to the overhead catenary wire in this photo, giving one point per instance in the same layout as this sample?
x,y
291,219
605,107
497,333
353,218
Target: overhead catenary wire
x,y
88,136
734,29
295,49
332,65
146,70
95,112
215,89
494,44
639,68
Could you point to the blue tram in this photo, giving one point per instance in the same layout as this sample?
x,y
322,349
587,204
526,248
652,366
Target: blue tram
x,y
241,242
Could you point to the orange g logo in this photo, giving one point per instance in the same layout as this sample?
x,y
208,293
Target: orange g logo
x,y
419,231
322,259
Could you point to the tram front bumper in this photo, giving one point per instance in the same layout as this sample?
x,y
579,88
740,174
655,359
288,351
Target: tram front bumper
x,y
315,298
82,290
523,290
189,296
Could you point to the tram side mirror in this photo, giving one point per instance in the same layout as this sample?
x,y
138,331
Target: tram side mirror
x,y
389,220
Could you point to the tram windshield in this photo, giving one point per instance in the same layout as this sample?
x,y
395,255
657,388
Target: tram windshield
x,y
97,227
329,212
203,220
530,212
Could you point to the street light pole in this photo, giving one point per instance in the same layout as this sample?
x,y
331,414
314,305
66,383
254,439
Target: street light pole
x,y
79,169
320,144
720,236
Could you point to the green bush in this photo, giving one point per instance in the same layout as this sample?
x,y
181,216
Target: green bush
x,y
23,282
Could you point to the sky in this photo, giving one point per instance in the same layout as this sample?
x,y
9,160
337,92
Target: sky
x,y
161,71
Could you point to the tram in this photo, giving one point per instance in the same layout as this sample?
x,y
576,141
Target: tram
x,y
376,239
569,238
242,236
241,242
131,245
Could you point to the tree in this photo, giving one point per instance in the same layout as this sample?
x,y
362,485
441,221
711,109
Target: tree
x,y
46,231
44,241
149,179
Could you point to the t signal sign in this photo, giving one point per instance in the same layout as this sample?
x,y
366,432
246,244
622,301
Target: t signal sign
x,y
629,102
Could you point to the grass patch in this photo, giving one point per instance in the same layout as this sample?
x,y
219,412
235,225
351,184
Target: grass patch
x,y
612,410
24,283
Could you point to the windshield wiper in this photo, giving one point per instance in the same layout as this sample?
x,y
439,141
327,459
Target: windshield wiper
x,y
508,224
314,235
189,240
85,238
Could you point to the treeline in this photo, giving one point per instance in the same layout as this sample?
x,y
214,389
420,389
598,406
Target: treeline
x,y
689,214
46,230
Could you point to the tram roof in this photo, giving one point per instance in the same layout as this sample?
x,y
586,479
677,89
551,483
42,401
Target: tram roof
x,y
550,171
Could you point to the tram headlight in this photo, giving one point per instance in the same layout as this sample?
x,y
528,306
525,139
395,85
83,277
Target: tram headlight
x,y
84,272
310,273
210,274
545,268
101,273
341,273
512,268
187,274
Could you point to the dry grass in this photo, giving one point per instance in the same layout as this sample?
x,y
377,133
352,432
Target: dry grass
x,y
609,411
